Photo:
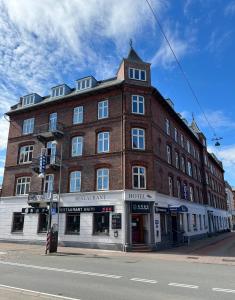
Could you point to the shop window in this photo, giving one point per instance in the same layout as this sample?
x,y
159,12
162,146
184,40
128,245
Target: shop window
x,y
181,222
18,222
194,222
72,223
101,223
42,223
163,223
188,222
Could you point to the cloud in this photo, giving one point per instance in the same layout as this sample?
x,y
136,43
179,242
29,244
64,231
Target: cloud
x,y
4,126
218,41
218,119
181,45
230,8
227,155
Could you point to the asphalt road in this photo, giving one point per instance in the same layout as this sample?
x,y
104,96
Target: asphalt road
x,y
110,277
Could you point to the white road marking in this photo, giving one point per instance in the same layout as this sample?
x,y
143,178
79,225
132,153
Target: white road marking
x,y
36,292
223,290
61,270
2,253
190,286
143,280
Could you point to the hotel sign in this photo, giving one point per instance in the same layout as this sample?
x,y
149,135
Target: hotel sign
x,y
139,196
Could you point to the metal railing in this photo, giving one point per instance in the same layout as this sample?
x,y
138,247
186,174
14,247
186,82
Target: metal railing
x,y
49,127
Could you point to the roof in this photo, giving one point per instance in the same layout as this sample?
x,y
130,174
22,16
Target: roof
x,y
133,56
47,99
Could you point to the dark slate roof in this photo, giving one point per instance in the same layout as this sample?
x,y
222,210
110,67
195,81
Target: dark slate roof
x,y
133,56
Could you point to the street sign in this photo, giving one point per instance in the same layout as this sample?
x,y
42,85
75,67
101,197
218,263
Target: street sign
x,y
53,211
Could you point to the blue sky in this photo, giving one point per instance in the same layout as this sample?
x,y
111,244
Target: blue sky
x,y
45,43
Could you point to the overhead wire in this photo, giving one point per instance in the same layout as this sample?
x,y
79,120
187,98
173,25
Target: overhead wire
x,y
181,68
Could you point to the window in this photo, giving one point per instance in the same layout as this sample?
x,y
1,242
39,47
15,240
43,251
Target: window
x,y
138,177
168,152
28,100
49,183
178,189
53,122
58,91
102,179
195,172
163,223
77,146
103,109
176,135
138,104
170,183
75,182
28,126
42,222
84,84
137,74
72,223
51,152
188,222
188,146
181,222
183,164
191,193
194,222
23,185
200,222
182,140
101,223
18,222
78,115
190,169
138,138
204,221
167,126
177,160
185,191
103,142
26,154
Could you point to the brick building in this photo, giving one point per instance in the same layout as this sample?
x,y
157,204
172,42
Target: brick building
x,y
133,171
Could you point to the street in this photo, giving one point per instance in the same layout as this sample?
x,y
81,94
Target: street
x,y
98,274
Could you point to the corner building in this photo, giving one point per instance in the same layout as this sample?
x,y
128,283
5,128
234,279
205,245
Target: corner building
x,y
126,170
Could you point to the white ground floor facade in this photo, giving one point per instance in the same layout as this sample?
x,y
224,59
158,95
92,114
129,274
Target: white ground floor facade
x,y
112,220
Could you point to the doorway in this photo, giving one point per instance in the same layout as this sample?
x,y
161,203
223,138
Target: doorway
x,y
137,228
174,228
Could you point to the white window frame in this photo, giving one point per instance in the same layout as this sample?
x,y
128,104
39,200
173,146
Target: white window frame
x,y
24,183
103,109
167,122
53,121
138,135
176,135
25,153
103,142
177,160
170,186
84,84
183,167
190,170
139,174
28,126
169,154
58,91
139,100
75,181
52,145
28,100
133,72
78,115
188,146
182,140
77,146
48,186
101,175
191,193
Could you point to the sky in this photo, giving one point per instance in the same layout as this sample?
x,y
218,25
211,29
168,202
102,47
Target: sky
x,y
46,43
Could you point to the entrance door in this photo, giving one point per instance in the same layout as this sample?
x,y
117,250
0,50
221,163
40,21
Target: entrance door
x,y
137,229
174,228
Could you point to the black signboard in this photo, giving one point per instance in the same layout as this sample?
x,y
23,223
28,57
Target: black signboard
x,y
116,221
140,207
86,209
64,209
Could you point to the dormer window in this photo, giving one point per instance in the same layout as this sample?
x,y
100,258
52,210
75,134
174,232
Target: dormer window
x,y
60,90
30,99
137,74
86,83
